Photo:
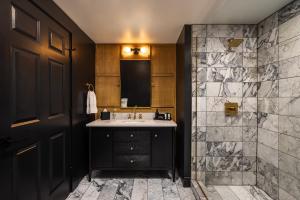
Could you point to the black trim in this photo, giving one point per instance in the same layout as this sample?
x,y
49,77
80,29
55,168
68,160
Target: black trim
x,y
184,103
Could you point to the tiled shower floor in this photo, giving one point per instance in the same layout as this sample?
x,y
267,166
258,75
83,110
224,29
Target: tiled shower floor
x,y
236,193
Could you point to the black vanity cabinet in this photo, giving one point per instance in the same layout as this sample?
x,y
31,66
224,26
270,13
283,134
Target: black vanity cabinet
x,y
101,148
161,148
132,148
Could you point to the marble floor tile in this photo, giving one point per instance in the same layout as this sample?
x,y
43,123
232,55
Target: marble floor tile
x,y
80,190
155,189
184,193
131,189
169,190
140,189
109,190
94,189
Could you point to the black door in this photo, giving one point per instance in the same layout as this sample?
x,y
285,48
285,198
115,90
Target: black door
x,y
34,104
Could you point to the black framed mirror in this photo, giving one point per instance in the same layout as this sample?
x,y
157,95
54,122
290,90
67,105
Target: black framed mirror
x,y
136,82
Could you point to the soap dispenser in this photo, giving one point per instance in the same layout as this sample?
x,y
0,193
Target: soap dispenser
x,y
156,114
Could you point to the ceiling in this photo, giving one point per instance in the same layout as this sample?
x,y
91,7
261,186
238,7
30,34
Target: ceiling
x,y
160,21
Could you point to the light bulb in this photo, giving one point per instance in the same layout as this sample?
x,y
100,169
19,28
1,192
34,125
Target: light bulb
x,y
127,50
143,50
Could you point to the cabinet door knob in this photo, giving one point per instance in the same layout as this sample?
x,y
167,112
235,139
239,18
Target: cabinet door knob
x,y
107,136
132,135
131,148
155,135
131,161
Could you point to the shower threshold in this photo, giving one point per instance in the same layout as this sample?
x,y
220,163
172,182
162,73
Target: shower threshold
x,y
217,192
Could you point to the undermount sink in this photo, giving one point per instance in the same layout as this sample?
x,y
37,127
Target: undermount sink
x,y
133,121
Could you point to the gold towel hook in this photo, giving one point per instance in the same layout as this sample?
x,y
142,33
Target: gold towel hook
x,y
90,86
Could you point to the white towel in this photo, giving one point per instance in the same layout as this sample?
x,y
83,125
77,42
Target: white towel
x,y
91,103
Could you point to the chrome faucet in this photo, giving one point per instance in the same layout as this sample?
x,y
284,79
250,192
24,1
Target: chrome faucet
x,y
134,112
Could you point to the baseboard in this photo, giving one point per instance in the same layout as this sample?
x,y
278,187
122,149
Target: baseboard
x,y
186,181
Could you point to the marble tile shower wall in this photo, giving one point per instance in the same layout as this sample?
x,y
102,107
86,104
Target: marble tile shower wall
x,y
278,162
224,148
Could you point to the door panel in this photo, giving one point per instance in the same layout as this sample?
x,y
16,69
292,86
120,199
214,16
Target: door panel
x,y
101,143
38,89
25,23
162,148
25,81
56,77
27,173
57,160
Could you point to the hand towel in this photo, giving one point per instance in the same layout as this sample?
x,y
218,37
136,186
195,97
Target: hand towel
x,y
91,103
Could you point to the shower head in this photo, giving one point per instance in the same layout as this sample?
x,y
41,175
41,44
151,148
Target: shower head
x,y
234,42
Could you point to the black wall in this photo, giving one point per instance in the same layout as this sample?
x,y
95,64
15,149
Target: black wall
x,y
183,104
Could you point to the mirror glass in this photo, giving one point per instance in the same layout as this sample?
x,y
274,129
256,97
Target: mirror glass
x,y
136,82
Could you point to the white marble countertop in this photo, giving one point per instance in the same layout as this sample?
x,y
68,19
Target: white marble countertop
x,y
131,123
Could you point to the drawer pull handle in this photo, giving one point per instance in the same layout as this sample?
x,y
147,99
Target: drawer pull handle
x,y
131,148
132,135
132,161
155,135
107,136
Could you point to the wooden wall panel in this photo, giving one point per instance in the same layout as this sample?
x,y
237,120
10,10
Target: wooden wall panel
x,y
108,60
163,91
163,70
163,59
108,91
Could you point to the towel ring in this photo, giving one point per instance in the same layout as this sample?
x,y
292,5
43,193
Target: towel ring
x,y
90,87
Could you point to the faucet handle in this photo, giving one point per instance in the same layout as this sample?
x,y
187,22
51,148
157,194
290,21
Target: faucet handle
x,y
140,116
129,116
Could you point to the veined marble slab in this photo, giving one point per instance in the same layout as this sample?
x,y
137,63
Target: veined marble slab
x,y
224,59
289,29
268,138
289,145
250,31
268,105
289,183
289,68
250,59
289,48
268,121
226,193
249,134
131,123
289,11
268,154
268,72
224,178
268,24
289,125
199,30
225,30
268,39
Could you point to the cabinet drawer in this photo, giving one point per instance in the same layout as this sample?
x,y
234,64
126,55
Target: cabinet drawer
x,y
129,148
132,135
132,161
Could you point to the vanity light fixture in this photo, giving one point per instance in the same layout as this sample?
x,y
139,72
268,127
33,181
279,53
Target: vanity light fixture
x,y
135,51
